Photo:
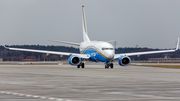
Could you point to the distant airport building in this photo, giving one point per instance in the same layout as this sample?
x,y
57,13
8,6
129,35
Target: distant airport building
x,y
29,60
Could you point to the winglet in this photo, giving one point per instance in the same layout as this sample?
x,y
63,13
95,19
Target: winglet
x,y
4,44
177,45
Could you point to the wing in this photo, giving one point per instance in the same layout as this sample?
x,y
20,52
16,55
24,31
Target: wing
x,y
85,56
148,52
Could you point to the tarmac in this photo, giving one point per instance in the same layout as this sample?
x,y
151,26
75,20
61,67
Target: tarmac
x,y
93,83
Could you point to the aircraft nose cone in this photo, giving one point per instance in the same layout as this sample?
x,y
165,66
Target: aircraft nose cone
x,y
110,54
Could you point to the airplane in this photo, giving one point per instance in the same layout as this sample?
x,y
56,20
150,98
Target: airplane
x,y
96,51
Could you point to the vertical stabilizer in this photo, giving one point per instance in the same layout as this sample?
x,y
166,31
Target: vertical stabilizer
x,y
85,34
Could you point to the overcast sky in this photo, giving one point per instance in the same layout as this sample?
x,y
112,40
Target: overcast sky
x,y
147,23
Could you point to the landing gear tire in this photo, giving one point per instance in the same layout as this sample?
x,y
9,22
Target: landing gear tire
x,y
106,66
80,65
111,65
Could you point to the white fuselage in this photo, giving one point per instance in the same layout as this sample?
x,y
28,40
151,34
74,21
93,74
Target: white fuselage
x,y
98,50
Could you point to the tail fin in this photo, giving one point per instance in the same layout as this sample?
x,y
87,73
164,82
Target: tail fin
x,y
85,34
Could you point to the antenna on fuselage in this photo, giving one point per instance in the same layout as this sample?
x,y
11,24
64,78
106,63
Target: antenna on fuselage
x,y
85,34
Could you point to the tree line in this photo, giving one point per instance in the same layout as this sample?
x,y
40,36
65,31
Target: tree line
x,y
11,55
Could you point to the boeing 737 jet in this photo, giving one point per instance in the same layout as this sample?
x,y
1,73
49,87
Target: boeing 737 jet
x,y
97,51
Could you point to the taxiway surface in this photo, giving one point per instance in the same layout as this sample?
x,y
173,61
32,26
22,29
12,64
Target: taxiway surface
x,y
94,83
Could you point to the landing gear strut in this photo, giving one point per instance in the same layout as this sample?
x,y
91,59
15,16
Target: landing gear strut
x,y
81,65
109,64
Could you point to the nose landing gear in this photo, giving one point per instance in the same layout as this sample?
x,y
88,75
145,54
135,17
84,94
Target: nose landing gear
x,y
109,64
80,65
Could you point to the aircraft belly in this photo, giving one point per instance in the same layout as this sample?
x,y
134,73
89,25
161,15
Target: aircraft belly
x,y
101,58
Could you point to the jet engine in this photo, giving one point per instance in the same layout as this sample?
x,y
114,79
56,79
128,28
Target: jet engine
x,y
124,60
74,60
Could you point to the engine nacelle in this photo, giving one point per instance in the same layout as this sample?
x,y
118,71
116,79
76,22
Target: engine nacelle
x,y
124,60
74,60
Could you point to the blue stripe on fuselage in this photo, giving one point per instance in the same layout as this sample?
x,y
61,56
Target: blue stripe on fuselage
x,y
95,56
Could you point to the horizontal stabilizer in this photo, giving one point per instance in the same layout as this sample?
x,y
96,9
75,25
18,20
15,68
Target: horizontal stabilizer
x,y
71,43
111,41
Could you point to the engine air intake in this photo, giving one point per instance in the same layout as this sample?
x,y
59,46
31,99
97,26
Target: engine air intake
x,y
74,60
124,60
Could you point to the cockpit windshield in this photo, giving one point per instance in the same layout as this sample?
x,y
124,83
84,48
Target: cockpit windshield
x,y
107,49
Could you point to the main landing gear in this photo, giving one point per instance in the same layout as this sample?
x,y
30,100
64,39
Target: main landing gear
x,y
80,65
109,64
